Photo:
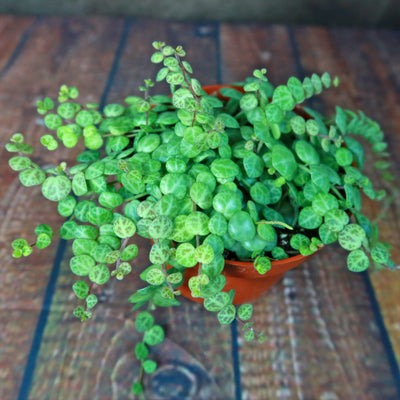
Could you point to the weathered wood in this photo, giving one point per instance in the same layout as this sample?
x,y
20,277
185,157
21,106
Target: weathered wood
x,y
13,34
247,47
366,63
53,49
317,343
322,337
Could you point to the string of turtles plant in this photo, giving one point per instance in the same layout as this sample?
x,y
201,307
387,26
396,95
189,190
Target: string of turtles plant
x,y
248,176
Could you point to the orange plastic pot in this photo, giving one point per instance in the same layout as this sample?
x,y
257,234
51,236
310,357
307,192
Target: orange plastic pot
x,y
241,276
213,90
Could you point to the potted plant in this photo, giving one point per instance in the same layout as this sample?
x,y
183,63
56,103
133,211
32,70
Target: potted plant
x,y
230,183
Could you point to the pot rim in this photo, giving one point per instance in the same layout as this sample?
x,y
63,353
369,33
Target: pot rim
x,y
274,263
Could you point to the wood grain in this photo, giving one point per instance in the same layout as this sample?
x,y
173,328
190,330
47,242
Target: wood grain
x,y
366,64
318,345
323,340
53,49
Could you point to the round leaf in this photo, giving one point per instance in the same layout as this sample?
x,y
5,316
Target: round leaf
x,y
245,311
141,351
185,255
32,177
227,314
66,206
100,252
81,265
19,163
81,289
161,227
248,102
83,246
201,195
299,240
147,144
43,240
52,121
84,231
224,168
274,113
227,203
284,161
309,219
380,253
327,236
79,184
351,237
159,253
218,224
296,88
197,223
153,336
323,202
262,265
306,152
216,302
253,165
99,216
155,276
144,321
129,253
91,301
298,125
357,261
204,253
99,274
260,193
84,118
56,188
124,227
344,157
283,98
241,227
336,219
149,366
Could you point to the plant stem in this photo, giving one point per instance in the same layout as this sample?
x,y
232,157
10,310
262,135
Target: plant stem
x,y
303,167
336,191
186,79
141,376
166,277
284,224
138,196
259,147
123,245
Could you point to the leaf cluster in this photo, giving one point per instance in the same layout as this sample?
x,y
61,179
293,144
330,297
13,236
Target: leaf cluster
x,y
244,172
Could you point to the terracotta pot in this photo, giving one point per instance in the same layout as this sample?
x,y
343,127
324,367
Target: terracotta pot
x,y
214,90
241,276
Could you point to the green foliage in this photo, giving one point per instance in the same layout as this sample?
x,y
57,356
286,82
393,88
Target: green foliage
x,y
249,173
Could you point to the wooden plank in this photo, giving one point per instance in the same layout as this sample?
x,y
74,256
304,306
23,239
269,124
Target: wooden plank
x,y
319,343
322,339
200,368
53,49
247,47
199,41
12,34
366,63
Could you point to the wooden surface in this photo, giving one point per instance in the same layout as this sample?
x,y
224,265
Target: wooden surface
x,y
330,334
